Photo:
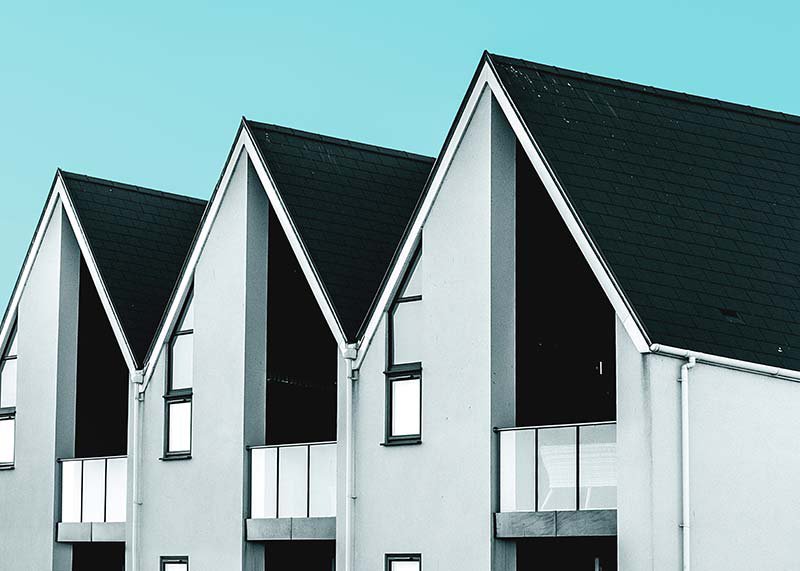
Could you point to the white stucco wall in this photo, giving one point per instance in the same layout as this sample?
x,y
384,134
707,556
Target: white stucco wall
x,y
47,345
744,458
437,498
197,507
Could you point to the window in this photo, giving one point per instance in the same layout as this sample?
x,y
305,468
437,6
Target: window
x,y
174,563
404,367
8,400
404,562
178,397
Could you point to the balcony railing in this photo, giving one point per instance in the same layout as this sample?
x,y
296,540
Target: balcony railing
x,y
293,480
94,490
562,467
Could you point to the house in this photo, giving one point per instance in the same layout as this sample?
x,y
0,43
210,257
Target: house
x,y
570,338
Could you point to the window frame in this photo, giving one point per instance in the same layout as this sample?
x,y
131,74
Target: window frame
x,y
395,557
165,559
401,371
414,371
10,412
176,396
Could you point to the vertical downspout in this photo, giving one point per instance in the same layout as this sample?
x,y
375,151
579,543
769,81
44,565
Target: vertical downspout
x,y
350,356
685,487
137,380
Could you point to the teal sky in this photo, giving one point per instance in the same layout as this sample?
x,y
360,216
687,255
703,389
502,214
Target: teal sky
x,y
151,93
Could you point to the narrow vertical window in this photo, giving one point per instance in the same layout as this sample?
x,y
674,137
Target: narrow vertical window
x,y
8,400
404,562
404,356
174,563
178,396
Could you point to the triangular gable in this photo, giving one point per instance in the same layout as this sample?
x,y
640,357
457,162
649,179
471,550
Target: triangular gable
x,y
485,78
331,254
98,221
139,238
692,201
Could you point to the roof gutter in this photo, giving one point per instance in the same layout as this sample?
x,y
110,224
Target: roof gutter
x,y
727,362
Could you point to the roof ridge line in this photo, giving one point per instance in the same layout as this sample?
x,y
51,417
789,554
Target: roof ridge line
x,y
659,91
133,187
341,141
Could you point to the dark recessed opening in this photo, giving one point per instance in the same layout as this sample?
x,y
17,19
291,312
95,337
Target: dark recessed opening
x,y
573,553
306,555
566,353
101,407
301,352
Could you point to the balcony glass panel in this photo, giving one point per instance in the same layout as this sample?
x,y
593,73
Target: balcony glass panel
x,y
264,473
598,467
322,480
71,491
116,489
557,468
293,481
517,470
94,490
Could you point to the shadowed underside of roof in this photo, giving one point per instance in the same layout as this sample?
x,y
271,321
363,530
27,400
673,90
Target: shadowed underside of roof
x,y
139,238
694,203
350,202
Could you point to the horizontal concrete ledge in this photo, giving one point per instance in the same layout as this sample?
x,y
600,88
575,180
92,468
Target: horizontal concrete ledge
x,y
291,528
514,525
91,532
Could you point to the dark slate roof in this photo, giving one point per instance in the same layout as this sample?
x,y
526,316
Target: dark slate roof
x,y
139,238
693,202
350,202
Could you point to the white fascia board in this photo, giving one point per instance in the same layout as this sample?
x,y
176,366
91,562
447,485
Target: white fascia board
x,y
244,143
88,256
27,265
487,78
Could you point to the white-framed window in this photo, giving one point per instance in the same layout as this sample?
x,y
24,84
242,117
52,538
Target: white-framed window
x,y
8,400
174,563
179,389
404,359
404,562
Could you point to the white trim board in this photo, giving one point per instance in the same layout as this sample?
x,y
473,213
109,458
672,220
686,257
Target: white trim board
x,y
487,79
245,143
59,194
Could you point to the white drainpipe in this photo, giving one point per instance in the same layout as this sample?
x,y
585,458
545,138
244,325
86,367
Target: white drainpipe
x,y
137,380
692,358
350,356
685,485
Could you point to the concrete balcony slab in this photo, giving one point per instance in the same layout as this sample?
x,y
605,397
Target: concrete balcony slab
x,y
287,529
588,523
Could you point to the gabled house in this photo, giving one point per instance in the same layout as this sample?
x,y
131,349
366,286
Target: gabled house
x,y
96,279
567,342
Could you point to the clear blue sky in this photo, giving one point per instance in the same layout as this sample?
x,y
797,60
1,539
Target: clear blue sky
x,y
151,93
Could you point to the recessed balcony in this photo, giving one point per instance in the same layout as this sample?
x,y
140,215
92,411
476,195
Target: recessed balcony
x,y
293,492
93,499
558,481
